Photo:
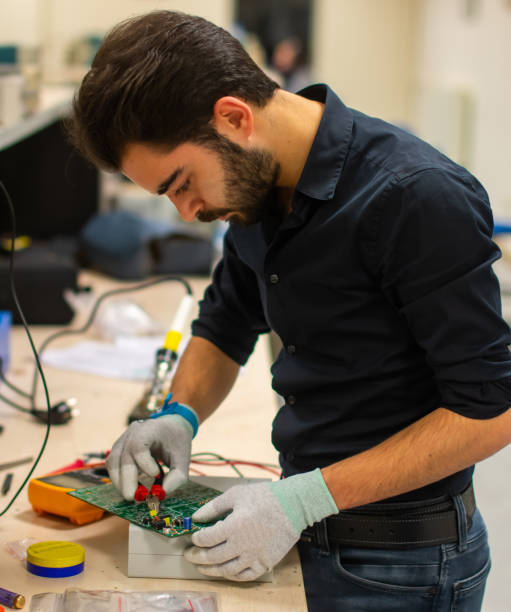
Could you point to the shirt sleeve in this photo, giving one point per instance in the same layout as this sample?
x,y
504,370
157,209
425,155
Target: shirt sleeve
x,y
230,314
436,268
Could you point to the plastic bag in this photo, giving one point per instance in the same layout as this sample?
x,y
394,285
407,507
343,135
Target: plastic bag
x,y
47,602
116,317
18,548
120,318
77,600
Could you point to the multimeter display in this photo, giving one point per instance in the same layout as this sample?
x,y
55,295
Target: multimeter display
x,y
49,494
77,479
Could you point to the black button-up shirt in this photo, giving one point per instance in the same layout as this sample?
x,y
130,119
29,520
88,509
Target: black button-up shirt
x,y
379,284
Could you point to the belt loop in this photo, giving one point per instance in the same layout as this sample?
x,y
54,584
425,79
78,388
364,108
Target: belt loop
x,y
321,534
461,520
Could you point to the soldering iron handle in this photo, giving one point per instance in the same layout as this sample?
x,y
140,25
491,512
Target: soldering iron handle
x,y
182,314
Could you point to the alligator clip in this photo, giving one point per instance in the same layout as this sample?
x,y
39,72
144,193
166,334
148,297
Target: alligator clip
x,y
155,496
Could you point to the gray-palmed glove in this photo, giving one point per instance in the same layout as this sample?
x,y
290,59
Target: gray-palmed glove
x,y
167,438
265,521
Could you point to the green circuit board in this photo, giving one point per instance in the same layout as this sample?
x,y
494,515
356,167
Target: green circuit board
x,y
184,502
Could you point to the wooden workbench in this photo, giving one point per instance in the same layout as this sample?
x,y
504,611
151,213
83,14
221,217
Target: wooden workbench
x,y
240,429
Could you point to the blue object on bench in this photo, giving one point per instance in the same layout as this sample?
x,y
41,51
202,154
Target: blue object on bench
x,y
501,226
5,333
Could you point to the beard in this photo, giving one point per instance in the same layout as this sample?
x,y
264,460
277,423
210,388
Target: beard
x,y
250,178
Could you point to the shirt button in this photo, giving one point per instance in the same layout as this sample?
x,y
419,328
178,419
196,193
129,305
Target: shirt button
x,y
291,349
291,400
274,279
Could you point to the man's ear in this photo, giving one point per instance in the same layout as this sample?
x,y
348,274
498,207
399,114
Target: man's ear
x,y
233,118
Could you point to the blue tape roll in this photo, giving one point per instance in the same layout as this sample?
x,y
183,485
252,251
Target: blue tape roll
x,y
54,572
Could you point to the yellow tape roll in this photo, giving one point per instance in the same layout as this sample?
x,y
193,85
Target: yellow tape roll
x,y
55,554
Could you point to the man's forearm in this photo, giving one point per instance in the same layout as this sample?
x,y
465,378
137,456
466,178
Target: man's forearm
x,y
204,377
432,448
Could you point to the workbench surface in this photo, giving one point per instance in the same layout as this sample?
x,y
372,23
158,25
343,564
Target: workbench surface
x,y
240,429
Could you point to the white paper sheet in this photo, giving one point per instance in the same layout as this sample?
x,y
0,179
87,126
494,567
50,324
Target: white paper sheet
x,y
128,357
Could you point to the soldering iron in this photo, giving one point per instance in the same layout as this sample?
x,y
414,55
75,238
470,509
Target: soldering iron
x,y
166,357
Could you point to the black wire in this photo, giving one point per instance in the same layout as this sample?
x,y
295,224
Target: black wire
x,y
84,328
9,384
14,388
14,404
93,313
34,351
38,368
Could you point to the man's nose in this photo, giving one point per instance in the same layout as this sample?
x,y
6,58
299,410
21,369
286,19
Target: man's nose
x,y
187,208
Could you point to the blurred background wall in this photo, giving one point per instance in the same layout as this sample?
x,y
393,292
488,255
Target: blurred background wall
x,y
440,68
463,87
366,50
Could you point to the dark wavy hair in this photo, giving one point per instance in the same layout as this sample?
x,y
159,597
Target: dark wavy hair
x,y
155,79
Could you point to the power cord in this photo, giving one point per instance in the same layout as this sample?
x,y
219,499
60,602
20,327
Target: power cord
x,y
60,413
63,411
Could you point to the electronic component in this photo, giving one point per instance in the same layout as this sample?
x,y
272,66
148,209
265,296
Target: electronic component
x,y
178,523
182,502
153,503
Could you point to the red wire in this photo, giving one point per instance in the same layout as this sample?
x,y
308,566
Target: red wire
x,y
197,472
237,462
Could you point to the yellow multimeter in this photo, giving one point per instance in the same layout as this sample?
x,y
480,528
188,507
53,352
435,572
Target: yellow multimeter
x,y
48,494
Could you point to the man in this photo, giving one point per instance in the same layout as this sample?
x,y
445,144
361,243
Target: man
x,y
369,253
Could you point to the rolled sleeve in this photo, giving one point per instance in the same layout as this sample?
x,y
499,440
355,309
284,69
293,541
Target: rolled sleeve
x,y
230,314
477,400
437,270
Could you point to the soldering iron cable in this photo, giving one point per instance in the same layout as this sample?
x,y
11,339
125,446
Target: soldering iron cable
x,y
90,319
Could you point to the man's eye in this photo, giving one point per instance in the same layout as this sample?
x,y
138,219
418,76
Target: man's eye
x,y
183,187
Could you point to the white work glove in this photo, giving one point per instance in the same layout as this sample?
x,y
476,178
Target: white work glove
x,y
265,521
167,438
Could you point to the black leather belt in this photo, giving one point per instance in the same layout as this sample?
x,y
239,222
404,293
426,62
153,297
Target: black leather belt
x,y
392,525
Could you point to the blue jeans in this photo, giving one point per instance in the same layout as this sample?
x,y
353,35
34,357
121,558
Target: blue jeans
x,y
448,577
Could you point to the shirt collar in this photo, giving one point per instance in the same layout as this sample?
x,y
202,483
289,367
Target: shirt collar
x,y
326,157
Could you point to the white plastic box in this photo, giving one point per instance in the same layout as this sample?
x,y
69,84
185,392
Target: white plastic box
x,y
153,555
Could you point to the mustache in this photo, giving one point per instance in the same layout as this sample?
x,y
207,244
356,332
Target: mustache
x,y
207,216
